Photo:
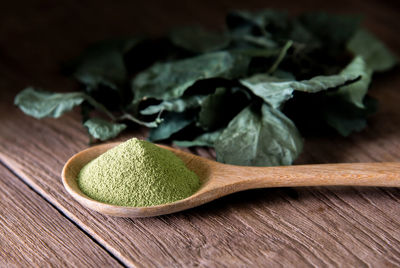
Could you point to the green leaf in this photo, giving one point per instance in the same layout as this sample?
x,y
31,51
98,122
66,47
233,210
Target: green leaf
x,y
260,19
320,83
254,139
172,123
256,52
377,56
260,29
206,139
127,116
40,104
197,39
103,63
211,108
166,81
281,56
332,30
301,35
345,125
276,93
176,105
284,75
255,42
355,92
257,26
103,130
260,85
346,118
214,114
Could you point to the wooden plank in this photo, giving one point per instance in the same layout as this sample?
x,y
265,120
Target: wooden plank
x,y
33,233
298,227
305,226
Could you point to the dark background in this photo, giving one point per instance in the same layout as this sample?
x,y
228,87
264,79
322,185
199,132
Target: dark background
x,y
36,36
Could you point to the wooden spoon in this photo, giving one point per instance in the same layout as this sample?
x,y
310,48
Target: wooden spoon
x,y
218,180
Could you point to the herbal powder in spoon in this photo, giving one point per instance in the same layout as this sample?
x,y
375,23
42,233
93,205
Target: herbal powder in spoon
x,y
137,173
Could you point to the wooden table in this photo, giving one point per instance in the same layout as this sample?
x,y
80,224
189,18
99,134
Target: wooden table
x,y
41,225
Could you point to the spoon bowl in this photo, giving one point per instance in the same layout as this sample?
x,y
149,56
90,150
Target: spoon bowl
x,y
219,179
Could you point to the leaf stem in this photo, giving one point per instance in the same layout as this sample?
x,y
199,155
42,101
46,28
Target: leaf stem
x,y
100,107
281,56
127,116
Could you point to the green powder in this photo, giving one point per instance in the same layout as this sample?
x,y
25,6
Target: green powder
x,y
137,173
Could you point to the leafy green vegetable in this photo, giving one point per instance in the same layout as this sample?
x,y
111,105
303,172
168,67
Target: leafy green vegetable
x,y
175,105
254,139
166,81
130,117
211,108
281,56
206,139
349,111
356,91
347,118
213,113
257,52
255,27
103,130
374,52
260,85
172,123
40,104
244,91
276,93
331,30
103,63
301,35
320,83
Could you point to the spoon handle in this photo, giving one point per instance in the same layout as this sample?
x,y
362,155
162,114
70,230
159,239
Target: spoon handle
x,y
355,174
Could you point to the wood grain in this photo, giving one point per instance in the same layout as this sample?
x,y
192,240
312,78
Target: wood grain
x,y
301,227
34,234
267,227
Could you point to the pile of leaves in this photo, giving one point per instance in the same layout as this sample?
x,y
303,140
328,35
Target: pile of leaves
x,y
246,91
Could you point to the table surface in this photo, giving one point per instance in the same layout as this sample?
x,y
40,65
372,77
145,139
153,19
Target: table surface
x,y
312,226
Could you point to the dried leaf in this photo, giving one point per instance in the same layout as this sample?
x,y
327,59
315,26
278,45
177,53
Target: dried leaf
x,y
252,138
40,104
205,139
172,123
103,130
166,81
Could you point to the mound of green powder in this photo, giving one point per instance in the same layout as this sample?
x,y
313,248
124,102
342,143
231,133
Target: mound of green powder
x,y
137,173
